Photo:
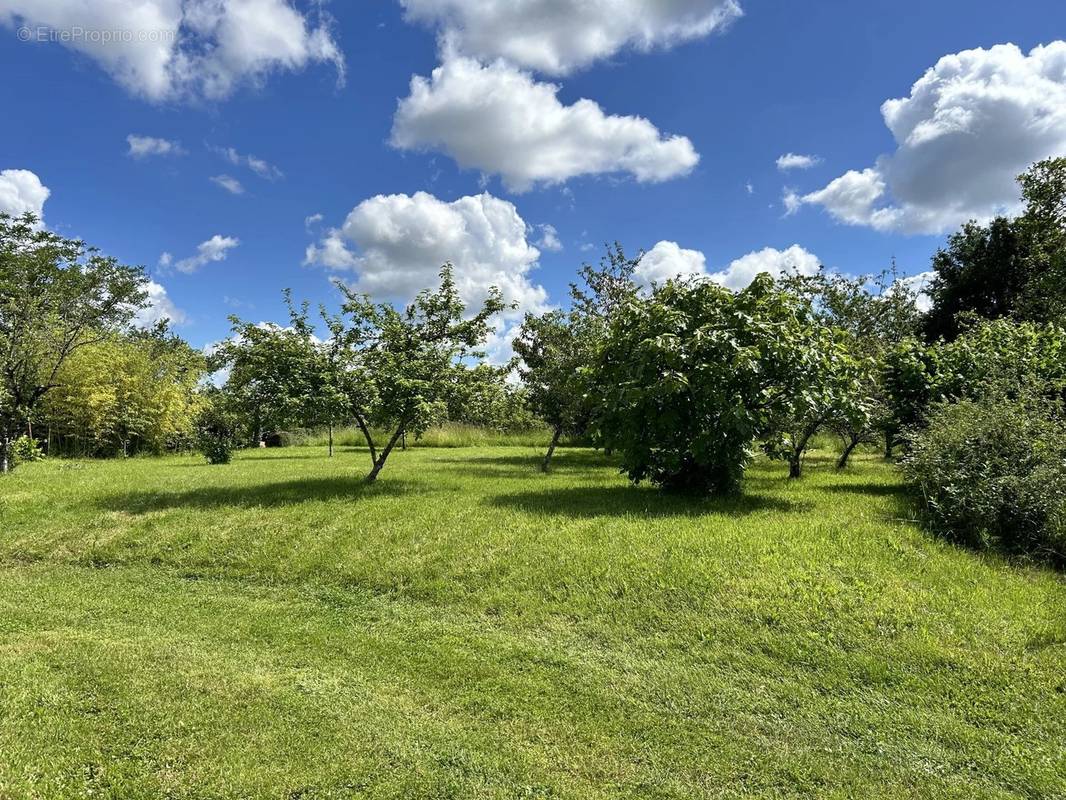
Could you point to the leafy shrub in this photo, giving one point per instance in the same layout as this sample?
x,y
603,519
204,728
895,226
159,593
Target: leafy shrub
x,y
992,359
992,473
216,430
24,450
696,374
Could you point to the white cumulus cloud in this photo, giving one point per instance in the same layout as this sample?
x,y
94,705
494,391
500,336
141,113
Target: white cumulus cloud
x,y
395,246
499,120
792,260
558,36
970,125
21,192
397,243
144,146
181,49
214,249
669,260
919,284
791,201
549,238
159,307
796,161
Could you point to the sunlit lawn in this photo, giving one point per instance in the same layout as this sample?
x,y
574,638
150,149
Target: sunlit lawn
x,y
469,627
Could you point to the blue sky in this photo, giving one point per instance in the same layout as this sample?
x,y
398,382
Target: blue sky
x,y
806,78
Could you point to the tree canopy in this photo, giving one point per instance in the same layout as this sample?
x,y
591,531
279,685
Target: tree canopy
x,y
56,296
694,375
411,355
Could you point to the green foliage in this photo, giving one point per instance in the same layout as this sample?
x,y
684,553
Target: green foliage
x,y
56,296
874,314
217,427
981,271
482,397
992,472
1042,228
411,356
997,358
24,450
604,289
124,395
285,377
557,350
826,387
909,378
695,374
1009,267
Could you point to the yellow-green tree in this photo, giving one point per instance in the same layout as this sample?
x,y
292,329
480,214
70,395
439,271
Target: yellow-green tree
x,y
126,394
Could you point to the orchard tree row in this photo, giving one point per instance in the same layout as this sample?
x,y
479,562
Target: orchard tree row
x,y
684,381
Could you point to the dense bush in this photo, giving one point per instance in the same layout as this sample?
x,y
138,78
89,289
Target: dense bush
x,y
695,374
24,450
992,472
992,359
216,429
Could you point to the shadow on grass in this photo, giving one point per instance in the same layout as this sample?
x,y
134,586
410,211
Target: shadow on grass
x,y
872,489
635,501
267,495
528,464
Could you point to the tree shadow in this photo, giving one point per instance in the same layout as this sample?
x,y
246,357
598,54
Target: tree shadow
x,y
267,495
871,489
239,458
577,457
637,501
526,465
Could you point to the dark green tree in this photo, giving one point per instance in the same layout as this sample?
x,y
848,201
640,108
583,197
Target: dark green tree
x,y
981,271
1042,230
694,376
1009,267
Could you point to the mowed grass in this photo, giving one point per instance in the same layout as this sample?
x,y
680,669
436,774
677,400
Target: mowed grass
x,y
469,627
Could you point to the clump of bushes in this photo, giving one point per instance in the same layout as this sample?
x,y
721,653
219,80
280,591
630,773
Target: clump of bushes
x,y
992,473
24,450
216,430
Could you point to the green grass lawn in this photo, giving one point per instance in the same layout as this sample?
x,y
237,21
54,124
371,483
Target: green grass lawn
x,y
469,627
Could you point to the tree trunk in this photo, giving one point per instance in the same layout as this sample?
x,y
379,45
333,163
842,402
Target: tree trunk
x,y
795,460
331,438
369,439
890,441
842,462
380,462
5,452
556,435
